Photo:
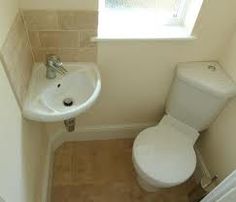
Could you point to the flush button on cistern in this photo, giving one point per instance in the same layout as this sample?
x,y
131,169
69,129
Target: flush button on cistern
x,y
212,68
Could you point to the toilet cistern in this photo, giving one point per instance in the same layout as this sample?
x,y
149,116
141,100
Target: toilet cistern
x,y
164,155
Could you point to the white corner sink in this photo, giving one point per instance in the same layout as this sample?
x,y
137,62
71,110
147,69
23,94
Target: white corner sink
x,y
65,96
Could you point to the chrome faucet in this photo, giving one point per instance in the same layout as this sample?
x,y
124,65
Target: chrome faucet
x,y
54,66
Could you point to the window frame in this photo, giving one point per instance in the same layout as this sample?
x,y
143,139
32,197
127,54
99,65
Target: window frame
x,y
177,18
180,27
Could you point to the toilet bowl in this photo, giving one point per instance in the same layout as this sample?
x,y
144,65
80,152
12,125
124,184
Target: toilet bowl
x,y
163,155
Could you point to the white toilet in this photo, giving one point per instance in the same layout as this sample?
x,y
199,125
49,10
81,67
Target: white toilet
x,y
163,155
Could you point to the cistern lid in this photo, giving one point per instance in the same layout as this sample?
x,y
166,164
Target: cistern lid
x,y
208,76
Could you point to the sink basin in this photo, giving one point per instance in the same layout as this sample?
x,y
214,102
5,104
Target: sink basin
x,y
65,96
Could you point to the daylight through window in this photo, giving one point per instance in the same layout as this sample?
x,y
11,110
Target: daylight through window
x,y
146,18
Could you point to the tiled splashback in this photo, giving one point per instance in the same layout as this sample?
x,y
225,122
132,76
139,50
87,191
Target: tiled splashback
x,y
64,33
17,59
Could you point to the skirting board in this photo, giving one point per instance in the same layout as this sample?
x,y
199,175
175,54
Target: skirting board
x,y
103,132
201,168
100,132
225,191
47,178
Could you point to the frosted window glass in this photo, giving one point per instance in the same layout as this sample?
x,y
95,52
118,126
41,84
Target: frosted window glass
x,y
1,200
147,18
137,4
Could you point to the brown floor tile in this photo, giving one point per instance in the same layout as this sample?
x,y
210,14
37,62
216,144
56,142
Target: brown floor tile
x,y
102,171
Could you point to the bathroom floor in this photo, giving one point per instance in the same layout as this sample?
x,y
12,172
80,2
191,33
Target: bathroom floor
x,y
102,171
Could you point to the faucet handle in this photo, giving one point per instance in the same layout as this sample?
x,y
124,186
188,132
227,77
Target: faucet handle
x,y
55,63
61,70
53,58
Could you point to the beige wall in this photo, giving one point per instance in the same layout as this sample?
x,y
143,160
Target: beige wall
x,y
218,144
22,143
59,4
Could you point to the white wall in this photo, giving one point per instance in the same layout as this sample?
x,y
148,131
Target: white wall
x,y
11,188
22,143
136,75
34,142
8,10
218,144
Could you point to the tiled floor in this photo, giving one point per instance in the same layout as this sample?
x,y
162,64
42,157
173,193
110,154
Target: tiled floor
x,y
102,171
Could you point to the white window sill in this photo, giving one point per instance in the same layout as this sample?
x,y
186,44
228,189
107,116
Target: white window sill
x,y
159,33
157,38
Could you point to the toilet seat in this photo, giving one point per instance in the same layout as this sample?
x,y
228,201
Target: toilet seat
x,y
163,155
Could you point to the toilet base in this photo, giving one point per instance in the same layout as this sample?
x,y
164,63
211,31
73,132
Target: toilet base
x,y
145,186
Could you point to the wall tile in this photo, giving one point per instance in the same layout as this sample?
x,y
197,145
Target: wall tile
x,y
41,19
85,38
34,39
59,39
40,55
81,55
17,58
67,55
64,33
74,20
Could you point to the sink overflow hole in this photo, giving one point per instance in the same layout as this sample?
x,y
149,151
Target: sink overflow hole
x,y
58,85
68,102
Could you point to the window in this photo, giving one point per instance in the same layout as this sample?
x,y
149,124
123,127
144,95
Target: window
x,y
147,18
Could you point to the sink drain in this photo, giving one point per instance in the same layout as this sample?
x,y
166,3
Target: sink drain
x,y
68,102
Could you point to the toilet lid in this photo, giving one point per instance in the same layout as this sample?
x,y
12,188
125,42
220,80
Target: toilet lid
x,y
164,155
